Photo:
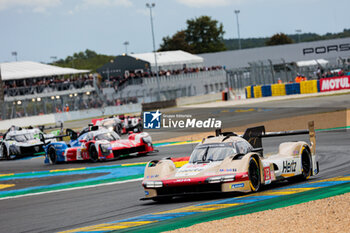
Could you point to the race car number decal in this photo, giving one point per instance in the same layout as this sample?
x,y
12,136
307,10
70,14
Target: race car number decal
x,y
267,173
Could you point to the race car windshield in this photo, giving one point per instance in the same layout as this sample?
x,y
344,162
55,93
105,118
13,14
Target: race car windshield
x,y
22,137
212,152
110,136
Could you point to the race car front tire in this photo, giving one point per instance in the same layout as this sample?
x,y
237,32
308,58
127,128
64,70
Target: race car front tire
x,y
93,154
254,174
306,168
52,155
139,128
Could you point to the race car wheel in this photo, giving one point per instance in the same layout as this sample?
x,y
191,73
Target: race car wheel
x,y
4,152
118,129
254,174
139,128
52,155
93,154
305,164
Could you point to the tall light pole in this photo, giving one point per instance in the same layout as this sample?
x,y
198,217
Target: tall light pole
x,y
150,6
298,31
239,36
14,53
126,43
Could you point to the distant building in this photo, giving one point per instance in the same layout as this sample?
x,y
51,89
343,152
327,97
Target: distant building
x,y
171,60
334,51
123,64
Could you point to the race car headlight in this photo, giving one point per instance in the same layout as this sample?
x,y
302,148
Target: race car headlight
x,y
220,179
147,139
153,184
105,147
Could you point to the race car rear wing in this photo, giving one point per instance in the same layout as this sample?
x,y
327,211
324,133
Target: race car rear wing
x,y
254,135
43,139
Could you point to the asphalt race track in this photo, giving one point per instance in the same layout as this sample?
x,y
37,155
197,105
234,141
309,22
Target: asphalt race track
x,y
52,212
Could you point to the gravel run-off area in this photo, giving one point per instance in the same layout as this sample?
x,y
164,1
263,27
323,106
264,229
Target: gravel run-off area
x,y
324,215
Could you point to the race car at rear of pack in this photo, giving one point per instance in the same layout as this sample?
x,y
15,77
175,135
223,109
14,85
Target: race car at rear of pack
x,y
18,142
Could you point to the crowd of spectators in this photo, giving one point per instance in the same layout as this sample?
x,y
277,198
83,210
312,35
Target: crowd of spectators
x,y
321,73
118,82
38,85
59,83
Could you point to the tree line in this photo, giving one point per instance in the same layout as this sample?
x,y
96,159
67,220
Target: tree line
x,y
201,35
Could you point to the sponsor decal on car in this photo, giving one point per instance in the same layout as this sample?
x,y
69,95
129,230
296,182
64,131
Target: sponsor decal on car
x,y
228,170
240,185
183,180
289,166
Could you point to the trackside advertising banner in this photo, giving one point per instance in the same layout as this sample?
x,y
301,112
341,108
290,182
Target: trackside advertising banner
x,y
335,83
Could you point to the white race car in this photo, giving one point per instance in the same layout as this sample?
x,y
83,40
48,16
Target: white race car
x,y
18,142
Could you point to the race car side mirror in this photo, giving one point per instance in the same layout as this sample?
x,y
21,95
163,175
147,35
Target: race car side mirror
x,y
82,140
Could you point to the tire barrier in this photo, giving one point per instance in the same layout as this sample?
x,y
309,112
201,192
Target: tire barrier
x,y
278,89
304,87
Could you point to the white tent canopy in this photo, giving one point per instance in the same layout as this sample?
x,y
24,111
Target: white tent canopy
x,y
317,62
29,69
170,59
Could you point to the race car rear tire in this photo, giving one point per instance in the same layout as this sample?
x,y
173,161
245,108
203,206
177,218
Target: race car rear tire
x,y
93,154
4,152
52,155
254,174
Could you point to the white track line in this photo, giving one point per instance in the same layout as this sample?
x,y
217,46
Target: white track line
x,y
71,189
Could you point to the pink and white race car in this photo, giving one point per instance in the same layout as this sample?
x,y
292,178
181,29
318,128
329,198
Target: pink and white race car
x,y
97,143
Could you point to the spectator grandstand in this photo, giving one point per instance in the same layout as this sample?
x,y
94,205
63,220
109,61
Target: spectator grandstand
x,y
137,77
31,78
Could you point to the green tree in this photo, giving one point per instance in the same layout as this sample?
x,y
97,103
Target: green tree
x,y
205,35
176,42
88,59
202,35
279,39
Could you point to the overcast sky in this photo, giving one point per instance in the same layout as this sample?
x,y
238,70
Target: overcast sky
x,y
39,29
